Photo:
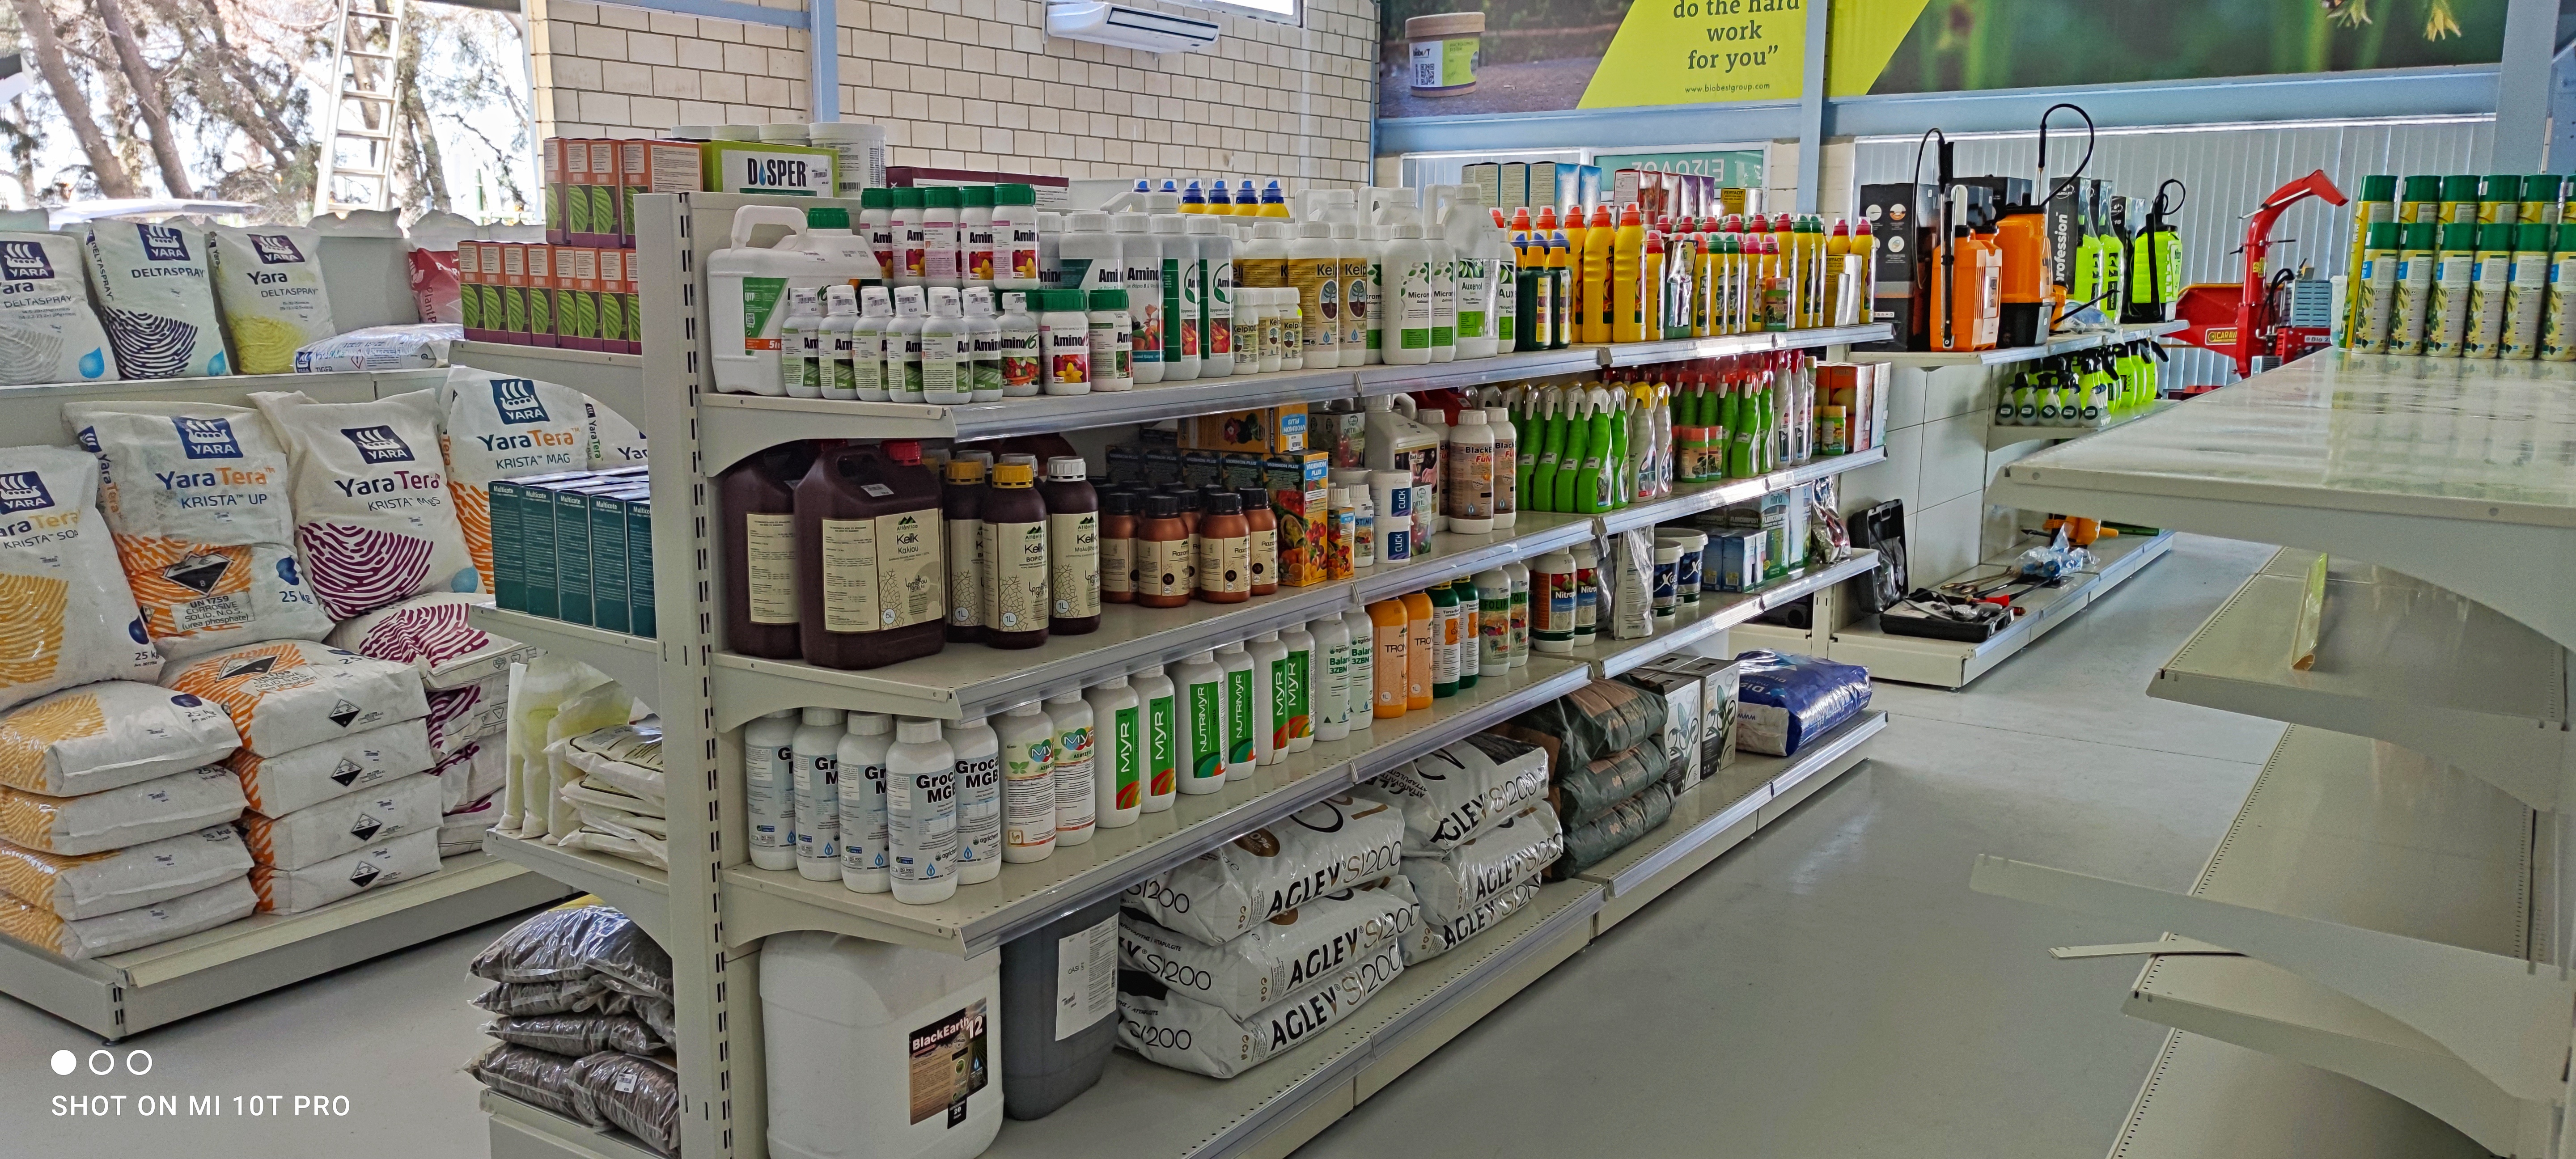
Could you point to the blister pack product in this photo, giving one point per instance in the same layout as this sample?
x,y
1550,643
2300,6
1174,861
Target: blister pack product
x,y
374,523
431,632
501,426
1448,795
1196,1036
1329,846
288,694
300,778
1279,957
1515,850
1587,844
344,824
116,818
1434,938
109,735
1790,699
293,891
458,717
47,332
577,1034
94,884
1590,791
539,1078
196,495
155,297
637,1094
115,933
66,614
268,279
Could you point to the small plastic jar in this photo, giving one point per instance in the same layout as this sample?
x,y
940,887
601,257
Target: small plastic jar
x,y
1668,561
1686,566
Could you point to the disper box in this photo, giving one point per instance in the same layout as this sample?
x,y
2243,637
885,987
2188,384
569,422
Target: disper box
x,y
1299,497
1681,741
1276,430
1736,560
1721,684
763,167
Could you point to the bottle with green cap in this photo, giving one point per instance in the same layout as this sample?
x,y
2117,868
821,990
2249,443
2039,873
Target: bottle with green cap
x,y
2377,204
2558,309
2540,192
2376,301
2419,201
2459,199
2499,199
2416,266
908,253
2528,291
876,228
2455,266
2491,271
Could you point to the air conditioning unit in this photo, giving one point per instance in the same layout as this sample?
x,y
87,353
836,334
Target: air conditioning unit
x,y
1127,27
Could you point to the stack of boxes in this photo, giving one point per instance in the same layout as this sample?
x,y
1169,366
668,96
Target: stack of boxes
x,y
577,290
576,546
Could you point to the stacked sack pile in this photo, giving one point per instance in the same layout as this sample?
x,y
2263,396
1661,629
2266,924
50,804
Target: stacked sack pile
x,y
1610,776
583,771
583,1011
1479,833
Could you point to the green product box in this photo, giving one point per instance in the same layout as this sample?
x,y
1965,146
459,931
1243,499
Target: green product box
x,y
536,522
639,566
609,595
1238,470
572,554
1162,465
1201,468
509,561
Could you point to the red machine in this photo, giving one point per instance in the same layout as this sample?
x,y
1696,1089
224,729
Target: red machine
x,y
2243,321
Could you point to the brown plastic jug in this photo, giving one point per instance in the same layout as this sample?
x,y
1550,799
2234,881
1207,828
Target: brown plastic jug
x,y
757,498
871,583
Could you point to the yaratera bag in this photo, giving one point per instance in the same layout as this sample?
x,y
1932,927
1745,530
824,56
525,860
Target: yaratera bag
x,y
156,297
501,427
109,735
615,440
1332,845
268,279
373,520
196,496
47,333
66,614
430,632
92,884
1279,957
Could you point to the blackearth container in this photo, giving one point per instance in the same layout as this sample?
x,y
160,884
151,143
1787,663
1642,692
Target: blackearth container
x,y
1049,1053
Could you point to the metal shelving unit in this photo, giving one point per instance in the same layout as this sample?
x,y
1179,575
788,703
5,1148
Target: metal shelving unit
x,y
2002,435
636,889
2008,355
634,661
1719,612
1952,663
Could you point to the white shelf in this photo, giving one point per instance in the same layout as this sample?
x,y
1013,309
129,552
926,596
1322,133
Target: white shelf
x,y
123,994
763,902
1533,533
2444,469
2397,659
1679,349
1718,612
634,661
2006,356
527,1131
2002,435
1692,498
1952,663
2204,1097
1142,1110
616,380
637,890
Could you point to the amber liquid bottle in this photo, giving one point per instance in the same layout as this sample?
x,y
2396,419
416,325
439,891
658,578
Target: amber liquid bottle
x,y
1016,564
1118,563
1162,552
1073,547
1265,539
1225,550
961,508
758,499
871,584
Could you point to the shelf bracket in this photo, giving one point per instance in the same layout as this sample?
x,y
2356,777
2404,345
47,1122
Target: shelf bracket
x,y
2507,1018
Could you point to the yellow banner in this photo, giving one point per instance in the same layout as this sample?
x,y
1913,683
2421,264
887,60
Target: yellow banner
x,y
1688,52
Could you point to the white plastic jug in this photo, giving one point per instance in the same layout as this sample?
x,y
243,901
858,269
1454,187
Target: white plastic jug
x,y
880,1051
747,296
1398,441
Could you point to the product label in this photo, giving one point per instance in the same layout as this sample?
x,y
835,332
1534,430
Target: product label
x,y
1108,354
1354,277
1019,577
941,257
965,572
1117,565
863,818
1225,563
1074,544
915,246
2558,312
1076,798
1391,665
1337,687
1086,978
2523,301
1207,730
947,367
1021,360
979,808
1130,758
761,299
1471,480
1028,791
1220,307
768,795
1023,259
949,1064
818,805
1178,340
1163,567
1295,692
1444,644
1265,556
979,253
1160,754
911,581
1238,717
988,365
851,601
1194,309
921,824
1068,353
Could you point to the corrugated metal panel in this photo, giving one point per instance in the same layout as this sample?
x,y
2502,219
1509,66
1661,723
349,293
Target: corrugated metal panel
x,y
2227,172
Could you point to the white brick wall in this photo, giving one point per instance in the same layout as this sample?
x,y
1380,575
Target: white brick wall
x,y
976,84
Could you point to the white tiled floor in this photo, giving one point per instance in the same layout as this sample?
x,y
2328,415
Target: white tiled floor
x,y
1829,989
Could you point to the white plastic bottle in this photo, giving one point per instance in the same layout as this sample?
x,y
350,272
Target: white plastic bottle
x,y
904,220
975,236
1520,579
1216,295
814,756
904,345
1268,656
747,362
1021,345
876,228
1444,297
947,351
769,788
868,343
1493,623
1587,596
1200,718
1112,341
1028,782
1118,754
838,373
1331,682
1140,258
862,758
1180,254
979,798
1064,342
1498,419
1406,260
1472,466
1296,687
984,338
1050,238
1088,257
1356,249
1478,243
1319,295
1159,717
1077,811
800,345
1363,667
1370,296
921,813
1015,237
943,249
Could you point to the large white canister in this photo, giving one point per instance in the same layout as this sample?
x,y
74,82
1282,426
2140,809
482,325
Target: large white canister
x,y
879,1051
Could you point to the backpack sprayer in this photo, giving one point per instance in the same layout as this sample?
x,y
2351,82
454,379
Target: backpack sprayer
x,y
2033,301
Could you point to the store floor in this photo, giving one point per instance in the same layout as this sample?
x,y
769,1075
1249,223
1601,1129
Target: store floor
x,y
1830,988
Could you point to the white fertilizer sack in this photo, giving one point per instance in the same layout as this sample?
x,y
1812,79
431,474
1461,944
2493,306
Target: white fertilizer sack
x,y
47,333
503,427
109,735
431,632
293,891
1332,845
1435,937
299,778
401,346
87,886
66,614
373,521
1448,795
343,824
175,804
1511,852
1279,957
1195,1036
471,776
615,440
157,298
627,757
458,717
268,279
462,831
196,496
132,929
287,694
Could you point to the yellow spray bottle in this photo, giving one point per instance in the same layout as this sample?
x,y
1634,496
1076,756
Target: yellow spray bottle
x,y
1627,261
1600,240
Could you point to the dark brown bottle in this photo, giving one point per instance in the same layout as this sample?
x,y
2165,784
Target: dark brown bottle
x,y
1190,499
1073,546
1015,561
871,586
961,508
758,499
1118,564
1265,539
1225,550
1164,563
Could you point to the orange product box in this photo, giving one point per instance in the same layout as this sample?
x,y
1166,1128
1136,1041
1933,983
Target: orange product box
x,y
514,293
552,150
576,192
653,167
469,289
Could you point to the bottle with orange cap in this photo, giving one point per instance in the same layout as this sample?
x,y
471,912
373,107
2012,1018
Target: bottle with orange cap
x,y
1627,255
1561,263
1599,251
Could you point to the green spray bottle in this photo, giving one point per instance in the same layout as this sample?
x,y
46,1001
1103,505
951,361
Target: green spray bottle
x,y
1578,438
1622,478
1551,451
1524,437
1735,431
1766,434
1593,483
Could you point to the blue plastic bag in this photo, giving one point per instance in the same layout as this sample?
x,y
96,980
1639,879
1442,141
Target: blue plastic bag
x,y
1787,700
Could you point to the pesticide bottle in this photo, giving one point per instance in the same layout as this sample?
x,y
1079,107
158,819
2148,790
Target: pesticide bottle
x,y
1027,739
868,344
904,345
1088,255
1022,357
1314,268
1578,441
1015,238
814,757
943,251
1470,461
1199,720
1390,648
1329,678
876,227
1214,240
1365,295
921,812
2377,304
769,788
1269,722
1118,758
1478,244
2446,325
1077,811
1160,712
800,346
975,236
1498,418
2416,267
1180,255
748,291
2491,274
1360,679
1406,260
1627,258
2529,290
1358,252
979,799
984,340
1242,709
861,757
1140,257
1444,297
908,253
1444,641
947,351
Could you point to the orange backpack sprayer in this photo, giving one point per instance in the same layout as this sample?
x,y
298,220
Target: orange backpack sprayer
x,y
2032,301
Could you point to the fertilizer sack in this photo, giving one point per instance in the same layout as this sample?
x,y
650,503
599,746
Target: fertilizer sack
x,y
431,633
636,1094
1279,957
373,521
462,830
293,891
1586,845
577,1034
268,279
592,941
458,717
343,824
109,735
66,614
1788,700
503,427
156,297
1590,791
1433,938
175,804
93,884
47,333
287,694
1514,851
615,440
400,346
301,778
1590,723
1450,795
539,1078
1332,845
133,929
1195,1036
627,757
195,494
470,778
